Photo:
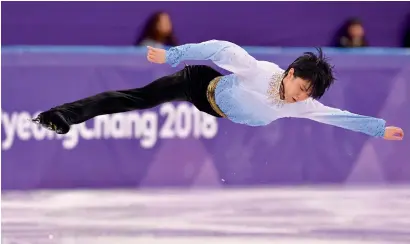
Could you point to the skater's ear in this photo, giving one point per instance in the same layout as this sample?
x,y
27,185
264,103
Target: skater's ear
x,y
291,73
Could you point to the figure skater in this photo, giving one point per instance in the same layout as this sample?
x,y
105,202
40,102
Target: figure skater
x,y
256,93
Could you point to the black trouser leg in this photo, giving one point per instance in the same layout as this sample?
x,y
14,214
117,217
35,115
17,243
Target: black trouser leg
x,y
165,89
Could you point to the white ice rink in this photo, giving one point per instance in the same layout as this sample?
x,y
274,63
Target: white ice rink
x,y
235,216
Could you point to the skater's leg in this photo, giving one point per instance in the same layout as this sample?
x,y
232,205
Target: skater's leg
x,y
165,89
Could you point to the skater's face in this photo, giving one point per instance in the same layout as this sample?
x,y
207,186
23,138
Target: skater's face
x,y
295,88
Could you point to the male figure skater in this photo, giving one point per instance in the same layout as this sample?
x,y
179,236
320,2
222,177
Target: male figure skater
x,y
256,93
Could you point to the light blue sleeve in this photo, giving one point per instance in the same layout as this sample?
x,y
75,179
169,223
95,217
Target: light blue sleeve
x,y
226,55
314,110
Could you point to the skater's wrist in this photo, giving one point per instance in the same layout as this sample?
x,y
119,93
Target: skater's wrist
x,y
173,56
167,59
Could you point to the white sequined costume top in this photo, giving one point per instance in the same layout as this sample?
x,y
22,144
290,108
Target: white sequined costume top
x,y
250,95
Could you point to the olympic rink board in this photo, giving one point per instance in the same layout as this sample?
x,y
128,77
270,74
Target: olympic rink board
x,y
259,215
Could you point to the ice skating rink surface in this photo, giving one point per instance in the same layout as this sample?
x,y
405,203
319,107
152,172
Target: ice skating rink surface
x,y
291,215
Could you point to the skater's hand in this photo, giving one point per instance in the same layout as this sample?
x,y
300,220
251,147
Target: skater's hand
x,y
156,55
393,133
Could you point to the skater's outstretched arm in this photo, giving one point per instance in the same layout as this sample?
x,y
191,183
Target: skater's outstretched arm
x,y
314,110
226,55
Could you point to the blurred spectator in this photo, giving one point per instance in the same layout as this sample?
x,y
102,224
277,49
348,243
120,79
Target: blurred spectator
x,y
406,39
351,34
406,42
157,31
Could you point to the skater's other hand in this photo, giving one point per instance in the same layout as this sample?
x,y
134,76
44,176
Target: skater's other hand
x,y
393,133
156,55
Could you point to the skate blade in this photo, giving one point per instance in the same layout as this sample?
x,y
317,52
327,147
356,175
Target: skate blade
x,y
49,127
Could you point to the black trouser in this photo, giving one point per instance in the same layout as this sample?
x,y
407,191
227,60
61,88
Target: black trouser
x,y
189,84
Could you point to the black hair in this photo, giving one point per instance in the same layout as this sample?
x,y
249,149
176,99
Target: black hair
x,y
150,31
316,70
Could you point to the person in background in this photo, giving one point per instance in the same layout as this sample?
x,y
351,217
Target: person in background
x,y
406,37
406,41
157,31
351,34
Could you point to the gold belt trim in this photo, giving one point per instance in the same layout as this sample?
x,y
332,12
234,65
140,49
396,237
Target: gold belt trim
x,y
210,95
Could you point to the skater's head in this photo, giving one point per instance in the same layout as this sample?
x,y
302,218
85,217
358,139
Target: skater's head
x,y
310,75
